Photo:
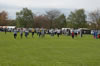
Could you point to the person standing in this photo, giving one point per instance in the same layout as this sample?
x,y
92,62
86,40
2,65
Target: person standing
x,y
81,34
26,33
96,35
52,32
73,34
33,32
39,32
15,33
5,30
42,32
58,32
21,33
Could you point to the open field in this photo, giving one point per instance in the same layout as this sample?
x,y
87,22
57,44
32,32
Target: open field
x,y
49,51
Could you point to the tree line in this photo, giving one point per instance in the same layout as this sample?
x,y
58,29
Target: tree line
x,y
25,18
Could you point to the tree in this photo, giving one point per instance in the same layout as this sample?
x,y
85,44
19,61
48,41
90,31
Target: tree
x,y
11,22
3,18
25,18
52,15
95,19
41,21
60,22
77,19
92,26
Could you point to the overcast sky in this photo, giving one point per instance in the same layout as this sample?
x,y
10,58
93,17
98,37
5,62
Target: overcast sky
x,y
15,5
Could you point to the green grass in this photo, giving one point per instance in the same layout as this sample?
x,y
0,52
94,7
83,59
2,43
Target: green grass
x,y
49,51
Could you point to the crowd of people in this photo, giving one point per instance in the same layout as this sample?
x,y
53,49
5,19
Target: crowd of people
x,y
41,32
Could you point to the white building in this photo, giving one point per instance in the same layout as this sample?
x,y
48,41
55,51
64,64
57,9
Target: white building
x,y
8,27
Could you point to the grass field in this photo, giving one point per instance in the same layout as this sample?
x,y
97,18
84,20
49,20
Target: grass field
x,y
49,51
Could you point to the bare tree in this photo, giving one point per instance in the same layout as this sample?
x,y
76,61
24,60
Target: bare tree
x,y
95,18
52,15
41,21
3,18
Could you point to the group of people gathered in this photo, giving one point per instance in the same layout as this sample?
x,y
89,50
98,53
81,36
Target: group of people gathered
x,y
96,35
41,32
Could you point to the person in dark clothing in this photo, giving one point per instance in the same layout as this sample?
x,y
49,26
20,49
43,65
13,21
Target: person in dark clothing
x,y
21,32
39,33
5,30
15,33
73,34
58,32
26,33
